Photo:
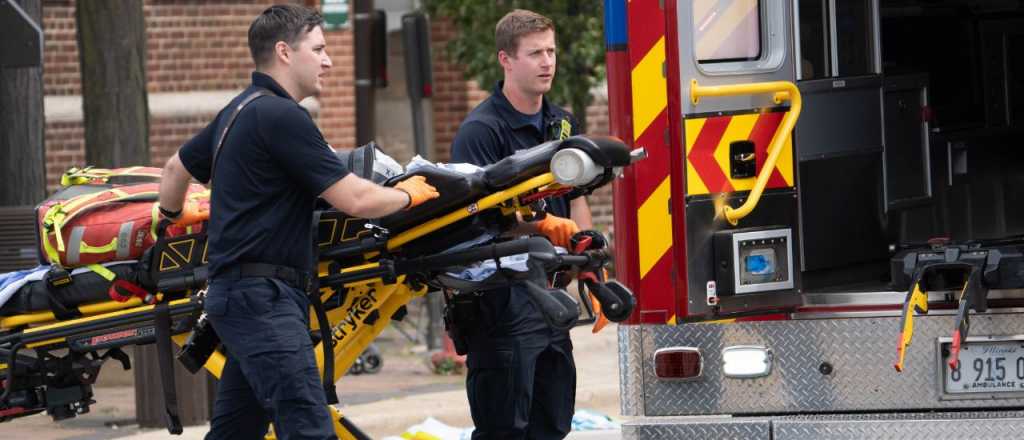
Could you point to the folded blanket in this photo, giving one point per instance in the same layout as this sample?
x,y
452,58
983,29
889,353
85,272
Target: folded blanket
x,y
12,281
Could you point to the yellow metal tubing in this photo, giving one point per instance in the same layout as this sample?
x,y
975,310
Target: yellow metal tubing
x,y
45,343
484,203
89,309
98,317
781,91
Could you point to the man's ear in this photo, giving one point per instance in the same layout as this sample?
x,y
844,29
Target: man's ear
x,y
283,52
503,59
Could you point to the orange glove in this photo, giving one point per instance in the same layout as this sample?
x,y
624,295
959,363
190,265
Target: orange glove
x,y
418,189
601,321
191,213
557,229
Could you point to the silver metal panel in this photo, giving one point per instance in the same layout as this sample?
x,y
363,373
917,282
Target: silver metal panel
x,y
703,428
833,39
630,370
860,353
974,425
797,53
776,63
876,37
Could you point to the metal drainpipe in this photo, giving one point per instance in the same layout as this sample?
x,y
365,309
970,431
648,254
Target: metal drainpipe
x,y
362,19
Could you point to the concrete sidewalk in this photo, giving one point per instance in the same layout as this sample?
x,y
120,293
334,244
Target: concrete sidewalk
x,y
197,433
403,394
597,389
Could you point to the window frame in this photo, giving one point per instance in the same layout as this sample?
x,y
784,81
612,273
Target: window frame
x,y
773,42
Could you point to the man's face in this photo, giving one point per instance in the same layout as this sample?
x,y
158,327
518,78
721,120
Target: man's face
x,y
310,63
532,68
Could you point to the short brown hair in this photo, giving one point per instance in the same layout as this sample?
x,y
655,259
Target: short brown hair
x,y
288,23
517,23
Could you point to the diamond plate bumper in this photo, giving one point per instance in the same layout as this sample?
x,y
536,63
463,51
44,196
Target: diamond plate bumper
x,y
858,351
895,426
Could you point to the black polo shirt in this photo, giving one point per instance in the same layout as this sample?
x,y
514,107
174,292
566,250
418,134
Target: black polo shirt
x,y
491,132
495,130
273,165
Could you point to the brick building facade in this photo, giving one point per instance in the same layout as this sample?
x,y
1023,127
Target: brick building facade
x,y
198,59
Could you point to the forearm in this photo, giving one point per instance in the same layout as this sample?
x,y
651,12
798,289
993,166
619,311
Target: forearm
x,y
380,202
359,197
174,181
580,210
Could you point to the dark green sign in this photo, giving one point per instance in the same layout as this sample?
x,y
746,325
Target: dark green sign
x,y
335,14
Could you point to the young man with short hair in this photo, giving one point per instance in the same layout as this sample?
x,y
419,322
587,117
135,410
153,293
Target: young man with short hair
x,y
522,379
270,168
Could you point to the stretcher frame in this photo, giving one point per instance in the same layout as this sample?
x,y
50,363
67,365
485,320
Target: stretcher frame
x,y
371,301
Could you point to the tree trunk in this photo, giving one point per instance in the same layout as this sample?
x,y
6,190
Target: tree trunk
x,y
112,56
22,150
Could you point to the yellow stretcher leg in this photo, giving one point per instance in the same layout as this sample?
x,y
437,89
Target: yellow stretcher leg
x,y
917,301
973,296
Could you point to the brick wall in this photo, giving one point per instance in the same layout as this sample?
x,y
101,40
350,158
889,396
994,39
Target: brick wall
x,y
600,200
198,45
192,45
65,146
454,96
337,118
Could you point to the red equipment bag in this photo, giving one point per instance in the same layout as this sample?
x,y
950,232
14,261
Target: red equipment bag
x,y
94,221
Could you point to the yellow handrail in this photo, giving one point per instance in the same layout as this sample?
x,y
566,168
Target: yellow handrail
x,y
782,91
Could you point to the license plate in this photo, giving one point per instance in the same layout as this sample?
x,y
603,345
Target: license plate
x,y
985,367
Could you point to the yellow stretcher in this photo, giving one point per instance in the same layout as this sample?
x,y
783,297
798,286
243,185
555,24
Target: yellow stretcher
x,y
368,272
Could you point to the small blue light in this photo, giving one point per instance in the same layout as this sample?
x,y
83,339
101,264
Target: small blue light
x,y
758,265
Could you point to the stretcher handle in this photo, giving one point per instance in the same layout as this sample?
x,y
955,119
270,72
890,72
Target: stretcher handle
x,y
781,91
473,255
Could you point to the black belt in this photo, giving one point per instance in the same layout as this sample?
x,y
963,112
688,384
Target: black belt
x,y
297,278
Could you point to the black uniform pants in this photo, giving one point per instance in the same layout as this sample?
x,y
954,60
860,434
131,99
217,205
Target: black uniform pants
x,y
271,373
521,387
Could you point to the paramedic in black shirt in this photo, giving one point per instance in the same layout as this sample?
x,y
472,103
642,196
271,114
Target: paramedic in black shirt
x,y
271,167
522,378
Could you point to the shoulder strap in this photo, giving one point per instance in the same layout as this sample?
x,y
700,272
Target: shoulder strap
x,y
260,91
326,334
162,333
87,175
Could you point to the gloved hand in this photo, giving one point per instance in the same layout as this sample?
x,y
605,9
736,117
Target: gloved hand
x,y
191,213
418,189
557,229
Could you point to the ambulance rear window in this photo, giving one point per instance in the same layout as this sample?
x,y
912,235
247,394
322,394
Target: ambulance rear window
x,y
727,30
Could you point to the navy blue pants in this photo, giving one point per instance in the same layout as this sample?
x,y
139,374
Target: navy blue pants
x,y
521,387
271,373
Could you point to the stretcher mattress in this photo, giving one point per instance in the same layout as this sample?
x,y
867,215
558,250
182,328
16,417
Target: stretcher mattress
x,y
85,287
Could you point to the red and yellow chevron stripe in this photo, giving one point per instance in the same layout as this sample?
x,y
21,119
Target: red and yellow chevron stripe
x,y
707,151
647,49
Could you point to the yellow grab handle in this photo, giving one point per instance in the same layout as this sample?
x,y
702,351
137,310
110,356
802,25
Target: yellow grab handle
x,y
781,91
